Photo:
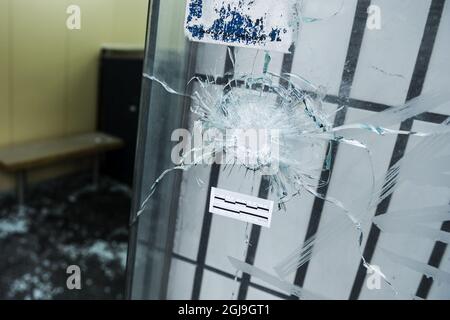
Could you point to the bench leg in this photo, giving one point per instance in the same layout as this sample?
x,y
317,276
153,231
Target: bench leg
x,y
96,172
21,184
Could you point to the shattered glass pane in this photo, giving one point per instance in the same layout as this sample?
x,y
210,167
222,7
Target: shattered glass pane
x,y
355,185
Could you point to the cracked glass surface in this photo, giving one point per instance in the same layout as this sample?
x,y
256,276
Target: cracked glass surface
x,y
308,134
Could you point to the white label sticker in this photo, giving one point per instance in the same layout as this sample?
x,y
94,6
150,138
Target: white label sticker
x,y
241,207
261,24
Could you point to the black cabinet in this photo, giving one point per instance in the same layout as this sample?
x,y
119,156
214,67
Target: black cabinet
x,y
119,93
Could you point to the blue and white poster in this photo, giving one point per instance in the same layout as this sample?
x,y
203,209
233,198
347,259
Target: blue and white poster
x,y
261,24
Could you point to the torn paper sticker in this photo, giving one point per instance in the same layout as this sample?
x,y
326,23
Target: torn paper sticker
x,y
241,207
261,24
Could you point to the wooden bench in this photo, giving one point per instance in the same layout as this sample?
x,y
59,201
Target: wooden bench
x,y
18,159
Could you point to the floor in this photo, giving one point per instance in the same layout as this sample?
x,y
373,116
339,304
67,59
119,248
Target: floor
x,y
66,223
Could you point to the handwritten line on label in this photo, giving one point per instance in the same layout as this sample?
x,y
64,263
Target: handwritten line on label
x,y
241,207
